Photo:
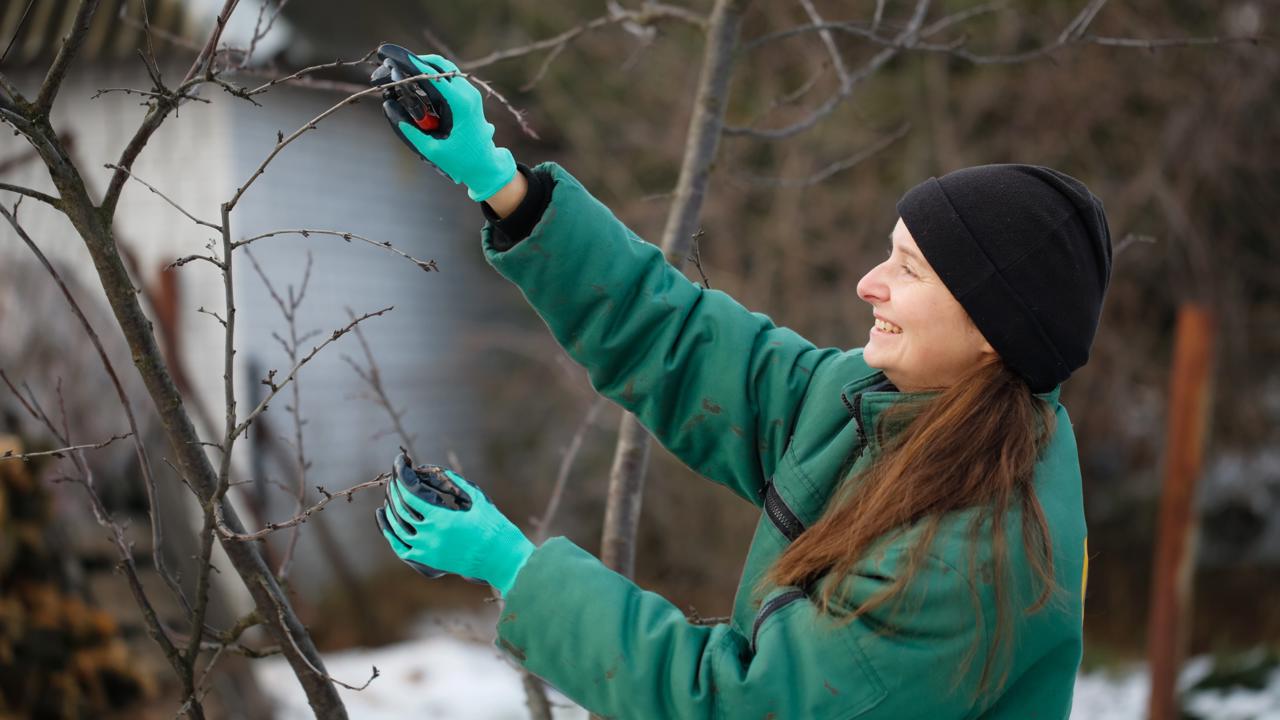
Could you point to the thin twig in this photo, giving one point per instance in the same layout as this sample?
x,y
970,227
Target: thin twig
x,y
326,498
308,70
648,13
203,65
289,309
1130,239
61,452
166,198
519,115
275,389
695,256
326,676
22,21
149,58
193,258
543,524
907,38
426,265
841,71
828,171
259,32
284,142
372,376
164,95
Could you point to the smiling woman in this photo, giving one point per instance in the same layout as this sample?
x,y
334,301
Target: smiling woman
x,y
882,581
906,292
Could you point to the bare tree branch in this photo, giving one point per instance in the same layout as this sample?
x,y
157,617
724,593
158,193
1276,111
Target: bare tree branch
x,y
260,32
829,42
289,309
203,64
828,171
648,13
326,498
193,258
878,16
166,103
70,46
1081,21
695,257
28,192
907,38
275,389
373,676
427,265
144,93
284,142
61,452
543,524
164,197
308,70
372,376
22,21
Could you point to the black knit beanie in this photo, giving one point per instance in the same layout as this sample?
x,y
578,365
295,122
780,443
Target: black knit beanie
x,y
1026,251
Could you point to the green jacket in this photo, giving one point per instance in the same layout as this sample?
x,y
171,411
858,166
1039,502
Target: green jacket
x,y
775,419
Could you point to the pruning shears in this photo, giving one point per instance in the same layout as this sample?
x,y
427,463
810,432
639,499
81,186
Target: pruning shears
x,y
418,103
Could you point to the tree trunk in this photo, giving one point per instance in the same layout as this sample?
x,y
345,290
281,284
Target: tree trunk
x,y
631,457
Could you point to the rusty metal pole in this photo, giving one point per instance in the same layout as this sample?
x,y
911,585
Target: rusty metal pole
x,y
1190,395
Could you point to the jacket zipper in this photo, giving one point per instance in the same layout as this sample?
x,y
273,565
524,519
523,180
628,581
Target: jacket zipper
x,y
781,515
770,608
855,409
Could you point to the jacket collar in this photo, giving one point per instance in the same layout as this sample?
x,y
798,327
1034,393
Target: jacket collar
x,y
867,397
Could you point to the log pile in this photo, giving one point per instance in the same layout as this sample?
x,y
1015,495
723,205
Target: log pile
x,y
60,657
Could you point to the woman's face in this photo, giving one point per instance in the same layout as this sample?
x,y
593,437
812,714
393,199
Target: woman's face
x,y
922,338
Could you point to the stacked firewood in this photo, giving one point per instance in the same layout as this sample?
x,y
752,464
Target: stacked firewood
x,y
60,657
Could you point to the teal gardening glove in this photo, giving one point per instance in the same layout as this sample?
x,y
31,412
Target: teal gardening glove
x,y
443,121
439,523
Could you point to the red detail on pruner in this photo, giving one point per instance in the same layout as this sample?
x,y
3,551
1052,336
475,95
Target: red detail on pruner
x,y
427,122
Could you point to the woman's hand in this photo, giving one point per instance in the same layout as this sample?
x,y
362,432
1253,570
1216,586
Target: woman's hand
x,y
437,523
456,138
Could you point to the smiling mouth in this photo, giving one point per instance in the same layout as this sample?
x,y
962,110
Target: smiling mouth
x,y
887,328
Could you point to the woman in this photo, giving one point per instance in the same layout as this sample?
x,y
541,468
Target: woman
x,y
921,550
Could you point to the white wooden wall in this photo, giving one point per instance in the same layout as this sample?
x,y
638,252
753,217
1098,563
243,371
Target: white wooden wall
x,y
351,174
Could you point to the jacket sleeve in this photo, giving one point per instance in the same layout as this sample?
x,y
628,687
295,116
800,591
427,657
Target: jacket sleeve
x,y
718,385
623,652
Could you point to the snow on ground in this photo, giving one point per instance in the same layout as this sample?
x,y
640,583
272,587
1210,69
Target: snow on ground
x,y
439,674
442,674
1123,696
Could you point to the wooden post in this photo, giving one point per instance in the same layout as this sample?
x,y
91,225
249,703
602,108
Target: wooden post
x,y
1188,412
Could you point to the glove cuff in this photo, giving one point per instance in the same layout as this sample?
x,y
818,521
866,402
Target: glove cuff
x,y
504,168
516,555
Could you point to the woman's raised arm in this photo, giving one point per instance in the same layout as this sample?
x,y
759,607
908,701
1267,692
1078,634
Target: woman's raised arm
x,y
718,385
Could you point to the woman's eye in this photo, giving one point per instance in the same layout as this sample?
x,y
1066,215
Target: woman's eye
x,y
909,272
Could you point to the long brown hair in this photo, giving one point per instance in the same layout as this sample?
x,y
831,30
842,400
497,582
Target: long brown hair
x,y
973,445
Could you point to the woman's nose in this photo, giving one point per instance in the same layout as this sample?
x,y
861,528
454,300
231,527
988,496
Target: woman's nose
x,y
871,288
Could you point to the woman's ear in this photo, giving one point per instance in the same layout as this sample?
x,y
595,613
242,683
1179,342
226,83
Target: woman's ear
x,y
986,349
